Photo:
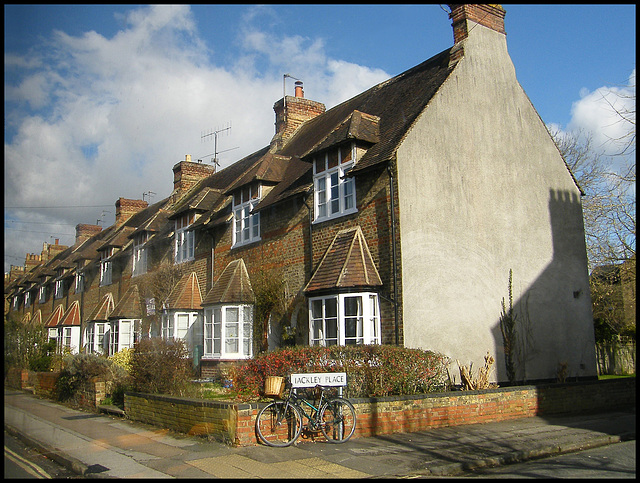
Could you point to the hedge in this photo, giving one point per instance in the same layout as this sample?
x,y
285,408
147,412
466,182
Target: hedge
x,y
372,370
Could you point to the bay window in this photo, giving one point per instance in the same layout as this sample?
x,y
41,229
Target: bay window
x,y
334,195
228,332
344,319
94,337
185,326
124,333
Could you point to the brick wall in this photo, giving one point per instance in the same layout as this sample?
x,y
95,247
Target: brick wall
x,y
220,420
234,422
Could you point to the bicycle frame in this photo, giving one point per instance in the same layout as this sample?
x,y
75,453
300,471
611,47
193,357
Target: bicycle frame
x,y
313,415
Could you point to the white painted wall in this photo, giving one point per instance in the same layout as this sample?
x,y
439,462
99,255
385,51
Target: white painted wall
x,y
477,177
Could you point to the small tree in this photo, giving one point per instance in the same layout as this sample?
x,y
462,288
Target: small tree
x,y
161,366
269,289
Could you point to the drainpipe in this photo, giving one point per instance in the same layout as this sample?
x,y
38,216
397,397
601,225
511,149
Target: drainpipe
x,y
309,209
393,251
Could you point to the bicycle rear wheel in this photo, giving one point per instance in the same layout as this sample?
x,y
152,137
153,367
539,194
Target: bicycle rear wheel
x,y
338,420
278,424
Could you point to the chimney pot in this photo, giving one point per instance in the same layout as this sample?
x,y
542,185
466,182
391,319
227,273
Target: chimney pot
x,y
299,91
187,158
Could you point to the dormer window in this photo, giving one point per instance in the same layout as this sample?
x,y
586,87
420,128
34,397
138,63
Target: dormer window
x,y
79,281
42,296
139,266
59,285
335,195
27,299
185,239
106,267
246,225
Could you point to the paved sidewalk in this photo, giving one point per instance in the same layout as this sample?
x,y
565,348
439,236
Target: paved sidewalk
x,y
112,447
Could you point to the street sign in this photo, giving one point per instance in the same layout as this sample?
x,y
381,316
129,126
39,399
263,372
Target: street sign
x,y
333,379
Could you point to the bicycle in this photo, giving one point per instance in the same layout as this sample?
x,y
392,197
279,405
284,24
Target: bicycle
x,y
279,423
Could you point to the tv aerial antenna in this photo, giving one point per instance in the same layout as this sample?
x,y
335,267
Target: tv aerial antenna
x,y
101,219
148,194
215,133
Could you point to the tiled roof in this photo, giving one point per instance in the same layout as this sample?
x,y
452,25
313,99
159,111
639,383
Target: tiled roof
x,y
203,200
103,309
233,286
72,315
358,125
270,169
347,263
396,103
186,294
55,317
129,306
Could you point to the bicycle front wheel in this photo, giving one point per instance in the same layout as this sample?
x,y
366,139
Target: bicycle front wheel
x,y
278,424
338,420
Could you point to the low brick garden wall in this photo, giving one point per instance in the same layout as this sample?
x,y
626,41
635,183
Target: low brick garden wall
x,y
233,423
44,384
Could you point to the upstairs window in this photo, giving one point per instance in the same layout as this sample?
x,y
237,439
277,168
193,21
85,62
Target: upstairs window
x,y
59,285
185,239
334,195
246,225
139,266
42,296
106,267
79,282
27,299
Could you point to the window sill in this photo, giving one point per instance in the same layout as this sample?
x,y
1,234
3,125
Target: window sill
x,y
244,244
318,221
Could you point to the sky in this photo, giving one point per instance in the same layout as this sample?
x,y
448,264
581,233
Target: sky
x,y
101,101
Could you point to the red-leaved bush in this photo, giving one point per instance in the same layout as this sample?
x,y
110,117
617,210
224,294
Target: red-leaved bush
x,y
372,370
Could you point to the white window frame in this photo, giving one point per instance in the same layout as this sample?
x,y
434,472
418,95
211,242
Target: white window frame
x,y
59,289
185,239
228,332
183,325
334,194
94,337
42,294
139,264
246,225
106,267
79,282
332,323
123,334
27,299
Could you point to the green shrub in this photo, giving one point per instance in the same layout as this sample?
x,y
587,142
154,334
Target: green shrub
x,y
161,366
372,370
123,358
76,371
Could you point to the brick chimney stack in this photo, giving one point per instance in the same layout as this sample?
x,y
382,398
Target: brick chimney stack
x,y
291,113
84,232
186,174
126,208
487,15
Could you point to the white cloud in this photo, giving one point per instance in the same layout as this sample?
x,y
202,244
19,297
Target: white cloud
x,y
598,112
95,118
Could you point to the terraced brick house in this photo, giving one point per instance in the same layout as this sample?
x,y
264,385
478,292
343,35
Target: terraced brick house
x,y
394,217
